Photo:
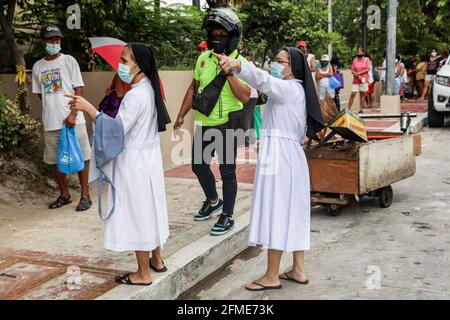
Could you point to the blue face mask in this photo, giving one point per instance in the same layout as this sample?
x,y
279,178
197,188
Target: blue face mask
x,y
124,73
276,70
52,49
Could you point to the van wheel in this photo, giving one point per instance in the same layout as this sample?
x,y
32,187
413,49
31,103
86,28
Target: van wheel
x,y
435,119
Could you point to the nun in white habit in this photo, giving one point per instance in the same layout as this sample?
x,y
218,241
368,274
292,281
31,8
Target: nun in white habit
x,y
280,219
139,220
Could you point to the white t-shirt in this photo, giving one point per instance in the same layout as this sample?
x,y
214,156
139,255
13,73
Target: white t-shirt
x,y
52,79
325,81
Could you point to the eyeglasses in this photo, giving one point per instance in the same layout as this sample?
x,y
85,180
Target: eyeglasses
x,y
281,61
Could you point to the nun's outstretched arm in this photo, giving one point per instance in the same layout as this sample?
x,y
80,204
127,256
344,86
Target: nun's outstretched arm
x,y
263,81
78,103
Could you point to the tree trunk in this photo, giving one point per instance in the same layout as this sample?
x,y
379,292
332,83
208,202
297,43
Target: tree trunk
x,y
196,3
6,22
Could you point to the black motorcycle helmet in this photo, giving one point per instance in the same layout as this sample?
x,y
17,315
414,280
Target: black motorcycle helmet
x,y
224,18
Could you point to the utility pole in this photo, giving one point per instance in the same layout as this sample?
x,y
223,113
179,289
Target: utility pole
x,y
364,25
391,46
330,26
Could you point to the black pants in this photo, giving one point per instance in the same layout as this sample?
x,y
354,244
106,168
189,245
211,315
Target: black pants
x,y
248,121
220,139
337,100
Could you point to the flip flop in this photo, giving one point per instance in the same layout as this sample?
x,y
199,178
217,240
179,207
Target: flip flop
x,y
285,276
125,279
263,287
163,269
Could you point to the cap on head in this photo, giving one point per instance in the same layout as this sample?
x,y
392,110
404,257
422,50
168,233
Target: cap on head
x,y
50,30
325,57
302,43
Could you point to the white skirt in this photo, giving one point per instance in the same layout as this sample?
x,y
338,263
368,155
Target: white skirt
x,y
281,209
139,221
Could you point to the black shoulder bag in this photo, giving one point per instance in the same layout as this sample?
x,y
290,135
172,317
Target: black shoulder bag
x,y
205,101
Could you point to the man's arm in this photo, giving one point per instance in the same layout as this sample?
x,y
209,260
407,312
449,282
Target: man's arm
x,y
186,106
240,90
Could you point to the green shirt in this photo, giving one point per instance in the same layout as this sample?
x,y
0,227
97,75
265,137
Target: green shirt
x,y
206,69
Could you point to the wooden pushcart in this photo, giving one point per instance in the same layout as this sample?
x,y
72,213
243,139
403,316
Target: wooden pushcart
x,y
343,172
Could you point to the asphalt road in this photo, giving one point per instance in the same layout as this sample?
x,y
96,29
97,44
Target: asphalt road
x,y
367,252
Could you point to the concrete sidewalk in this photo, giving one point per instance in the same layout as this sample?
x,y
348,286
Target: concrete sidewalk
x,y
58,254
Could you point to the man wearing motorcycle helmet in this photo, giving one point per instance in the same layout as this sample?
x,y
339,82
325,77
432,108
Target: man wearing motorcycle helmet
x,y
212,133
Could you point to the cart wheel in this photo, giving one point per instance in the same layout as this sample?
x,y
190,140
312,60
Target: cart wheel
x,y
385,197
334,210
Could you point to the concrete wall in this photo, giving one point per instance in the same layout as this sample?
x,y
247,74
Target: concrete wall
x,y
175,85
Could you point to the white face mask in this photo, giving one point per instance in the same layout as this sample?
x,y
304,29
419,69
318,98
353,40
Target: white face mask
x,y
434,54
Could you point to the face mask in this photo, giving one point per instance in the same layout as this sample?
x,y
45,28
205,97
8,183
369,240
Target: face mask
x,y
219,44
359,55
52,49
276,70
124,73
324,63
434,54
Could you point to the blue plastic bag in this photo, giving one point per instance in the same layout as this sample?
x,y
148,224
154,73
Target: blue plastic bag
x,y
334,83
69,158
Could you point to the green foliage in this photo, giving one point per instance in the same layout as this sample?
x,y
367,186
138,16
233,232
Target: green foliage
x,y
18,132
171,31
272,25
420,27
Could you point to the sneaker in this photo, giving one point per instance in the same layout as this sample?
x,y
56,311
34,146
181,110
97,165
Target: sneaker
x,y
225,224
208,210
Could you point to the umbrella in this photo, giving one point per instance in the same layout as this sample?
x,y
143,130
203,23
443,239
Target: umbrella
x,y
110,49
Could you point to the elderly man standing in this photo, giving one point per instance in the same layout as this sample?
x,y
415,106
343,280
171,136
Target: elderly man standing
x,y
55,74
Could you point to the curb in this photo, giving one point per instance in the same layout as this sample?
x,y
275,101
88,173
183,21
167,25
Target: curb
x,y
189,265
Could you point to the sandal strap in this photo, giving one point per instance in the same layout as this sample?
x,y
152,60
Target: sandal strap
x,y
60,201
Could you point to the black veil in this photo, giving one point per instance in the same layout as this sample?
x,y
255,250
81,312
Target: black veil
x,y
301,71
146,61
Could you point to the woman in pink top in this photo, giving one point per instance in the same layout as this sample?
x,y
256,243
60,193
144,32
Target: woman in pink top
x,y
360,71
